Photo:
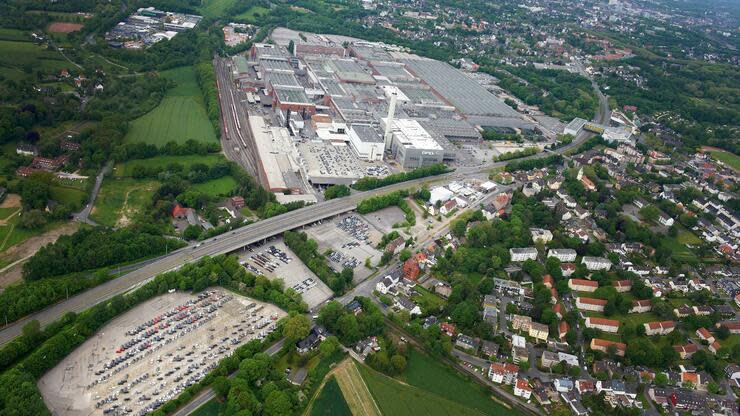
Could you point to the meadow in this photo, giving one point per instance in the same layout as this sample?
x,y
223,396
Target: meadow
x,y
330,401
250,16
120,199
730,159
20,56
180,116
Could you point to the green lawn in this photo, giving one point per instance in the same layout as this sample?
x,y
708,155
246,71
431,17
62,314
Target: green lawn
x,y
679,251
122,196
687,237
13,35
395,398
215,8
5,212
428,301
20,55
330,401
217,187
249,15
179,117
211,408
429,375
72,197
730,159
123,170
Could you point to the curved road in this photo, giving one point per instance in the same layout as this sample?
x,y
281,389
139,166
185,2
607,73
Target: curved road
x,y
249,234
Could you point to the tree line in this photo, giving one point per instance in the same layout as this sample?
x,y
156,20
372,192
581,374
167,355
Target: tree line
x,y
367,183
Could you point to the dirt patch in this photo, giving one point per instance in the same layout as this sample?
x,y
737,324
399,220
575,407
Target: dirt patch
x,y
18,254
11,201
64,27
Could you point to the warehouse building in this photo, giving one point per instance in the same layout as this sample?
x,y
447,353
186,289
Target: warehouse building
x,y
411,145
366,142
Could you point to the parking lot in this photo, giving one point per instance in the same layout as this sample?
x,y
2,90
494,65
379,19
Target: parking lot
x,y
351,240
384,219
275,260
153,352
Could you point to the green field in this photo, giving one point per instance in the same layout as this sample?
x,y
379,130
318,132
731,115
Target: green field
x,y
679,251
122,196
211,408
13,35
217,187
729,159
428,301
426,373
122,170
21,57
72,197
249,15
215,8
395,398
179,117
330,401
11,234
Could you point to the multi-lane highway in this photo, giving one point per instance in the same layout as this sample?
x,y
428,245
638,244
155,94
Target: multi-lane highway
x,y
249,234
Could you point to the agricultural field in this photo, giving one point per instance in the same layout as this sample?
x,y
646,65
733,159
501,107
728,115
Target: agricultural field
x,y
429,375
179,117
120,199
330,401
356,392
13,35
396,398
250,15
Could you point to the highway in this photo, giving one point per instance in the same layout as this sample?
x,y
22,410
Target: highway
x,y
253,233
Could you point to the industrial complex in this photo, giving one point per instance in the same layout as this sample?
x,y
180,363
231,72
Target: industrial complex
x,y
332,110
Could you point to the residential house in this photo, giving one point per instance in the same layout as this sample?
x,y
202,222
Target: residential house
x,y
732,326
354,307
665,220
582,285
567,269
548,281
563,329
443,289
714,347
503,373
549,359
683,311
522,389
489,348
679,399
429,321
521,322
449,329
563,385
603,345
590,304
448,207
386,283
686,351
641,306
596,263
562,254
540,235
523,254
606,325
490,310
659,327
314,337
539,331
585,386
705,335
702,310
407,305
395,246
622,285
467,343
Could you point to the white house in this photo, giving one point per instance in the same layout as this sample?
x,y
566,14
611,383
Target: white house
x,y
596,263
665,220
523,254
563,254
522,389
540,235
386,283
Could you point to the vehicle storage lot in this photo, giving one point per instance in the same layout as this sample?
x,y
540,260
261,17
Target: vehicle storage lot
x,y
275,260
352,239
384,219
172,341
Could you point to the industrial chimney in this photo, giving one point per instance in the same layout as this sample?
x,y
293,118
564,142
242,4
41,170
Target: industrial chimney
x,y
389,122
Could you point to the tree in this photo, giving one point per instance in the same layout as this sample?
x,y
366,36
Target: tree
x,y
34,193
277,403
649,213
296,328
399,363
33,220
192,232
336,191
329,346
404,255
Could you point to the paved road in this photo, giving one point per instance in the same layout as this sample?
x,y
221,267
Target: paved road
x,y
207,394
84,214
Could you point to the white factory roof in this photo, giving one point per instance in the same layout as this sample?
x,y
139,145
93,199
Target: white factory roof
x,y
267,140
411,134
441,194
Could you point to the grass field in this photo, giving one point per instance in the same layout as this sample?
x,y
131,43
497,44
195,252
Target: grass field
x,y
729,159
249,15
120,199
11,234
123,170
70,196
20,57
215,8
179,117
431,376
211,408
679,251
330,401
396,398
13,35
429,302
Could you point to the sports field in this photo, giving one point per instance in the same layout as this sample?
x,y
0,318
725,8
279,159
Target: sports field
x,y
331,401
179,117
